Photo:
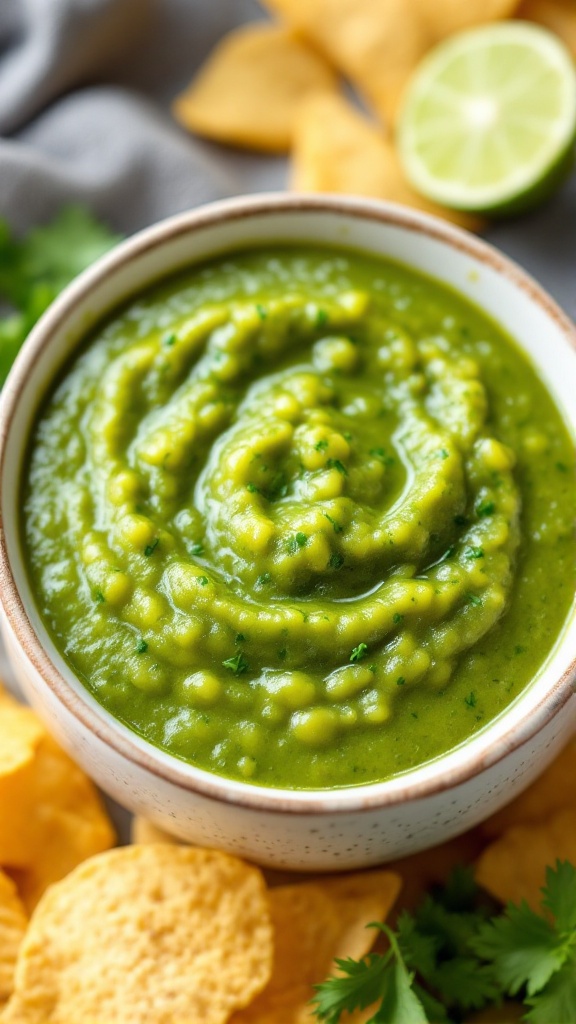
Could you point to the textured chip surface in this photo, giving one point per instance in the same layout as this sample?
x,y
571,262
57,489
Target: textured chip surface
x,y
337,149
514,866
144,831
13,924
249,89
314,922
52,819
146,935
376,43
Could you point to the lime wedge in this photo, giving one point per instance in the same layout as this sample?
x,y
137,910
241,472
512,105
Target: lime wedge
x,y
488,122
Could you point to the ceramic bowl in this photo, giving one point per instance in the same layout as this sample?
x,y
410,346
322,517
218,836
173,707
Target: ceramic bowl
x,y
324,830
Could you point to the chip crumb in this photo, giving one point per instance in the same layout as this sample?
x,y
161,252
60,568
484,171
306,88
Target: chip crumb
x,y
146,935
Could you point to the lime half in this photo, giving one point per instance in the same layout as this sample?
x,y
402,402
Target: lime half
x,y
488,122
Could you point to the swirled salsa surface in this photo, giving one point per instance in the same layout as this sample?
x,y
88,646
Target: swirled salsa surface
x,y
302,517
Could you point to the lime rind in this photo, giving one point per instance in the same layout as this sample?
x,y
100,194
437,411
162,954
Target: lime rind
x,y
488,123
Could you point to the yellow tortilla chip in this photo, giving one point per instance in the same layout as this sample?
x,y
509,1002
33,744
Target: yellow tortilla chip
x,y
337,149
20,734
249,90
375,44
13,924
443,17
514,866
146,935
552,791
314,922
557,15
52,819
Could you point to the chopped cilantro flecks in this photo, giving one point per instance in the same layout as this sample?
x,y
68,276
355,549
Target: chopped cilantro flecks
x,y
197,549
299,540
397,618
359,652
474,599
472,552
151,548
203,580
141,646
336,526
169,339
321,446
237,664
239,638
336,560
381,453
470,700
400,681
261,311
263,579
485,508
336,464
321,318
99,597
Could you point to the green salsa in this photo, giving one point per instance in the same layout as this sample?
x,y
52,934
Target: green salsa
x,y
302,517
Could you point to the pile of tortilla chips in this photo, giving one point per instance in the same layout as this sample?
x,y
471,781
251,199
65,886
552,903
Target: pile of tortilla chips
x,y
278,86
160,932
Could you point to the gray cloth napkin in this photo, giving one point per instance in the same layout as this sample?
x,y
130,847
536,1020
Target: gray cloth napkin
x,y
84,117
85,87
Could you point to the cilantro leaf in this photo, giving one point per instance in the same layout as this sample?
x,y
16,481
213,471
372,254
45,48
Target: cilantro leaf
x,y
399,1003
358,986
560,895
58,251
557,1003
464,982
523,948
34,270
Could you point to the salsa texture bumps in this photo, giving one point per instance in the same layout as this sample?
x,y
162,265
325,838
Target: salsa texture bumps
x,y
278,506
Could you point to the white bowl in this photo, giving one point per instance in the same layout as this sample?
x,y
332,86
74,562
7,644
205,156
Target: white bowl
x,y
323,830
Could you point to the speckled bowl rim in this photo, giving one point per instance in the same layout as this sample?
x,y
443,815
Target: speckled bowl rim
x,y
101,723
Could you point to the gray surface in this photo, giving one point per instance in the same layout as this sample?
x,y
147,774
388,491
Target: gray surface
x,y
85,87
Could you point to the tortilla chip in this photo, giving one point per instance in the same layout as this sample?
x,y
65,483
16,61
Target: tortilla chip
x,y
249,90
514,866
376,44
52,819
315,922
13,924
337,149
443,17
557,15
552,791
20,733
146,935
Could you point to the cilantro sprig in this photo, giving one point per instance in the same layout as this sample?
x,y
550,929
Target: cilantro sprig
x,y
35,269
454,956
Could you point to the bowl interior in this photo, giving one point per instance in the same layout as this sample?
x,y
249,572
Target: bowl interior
x,y
452,257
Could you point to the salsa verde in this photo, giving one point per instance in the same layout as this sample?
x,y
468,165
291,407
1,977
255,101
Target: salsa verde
x,y
302,517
